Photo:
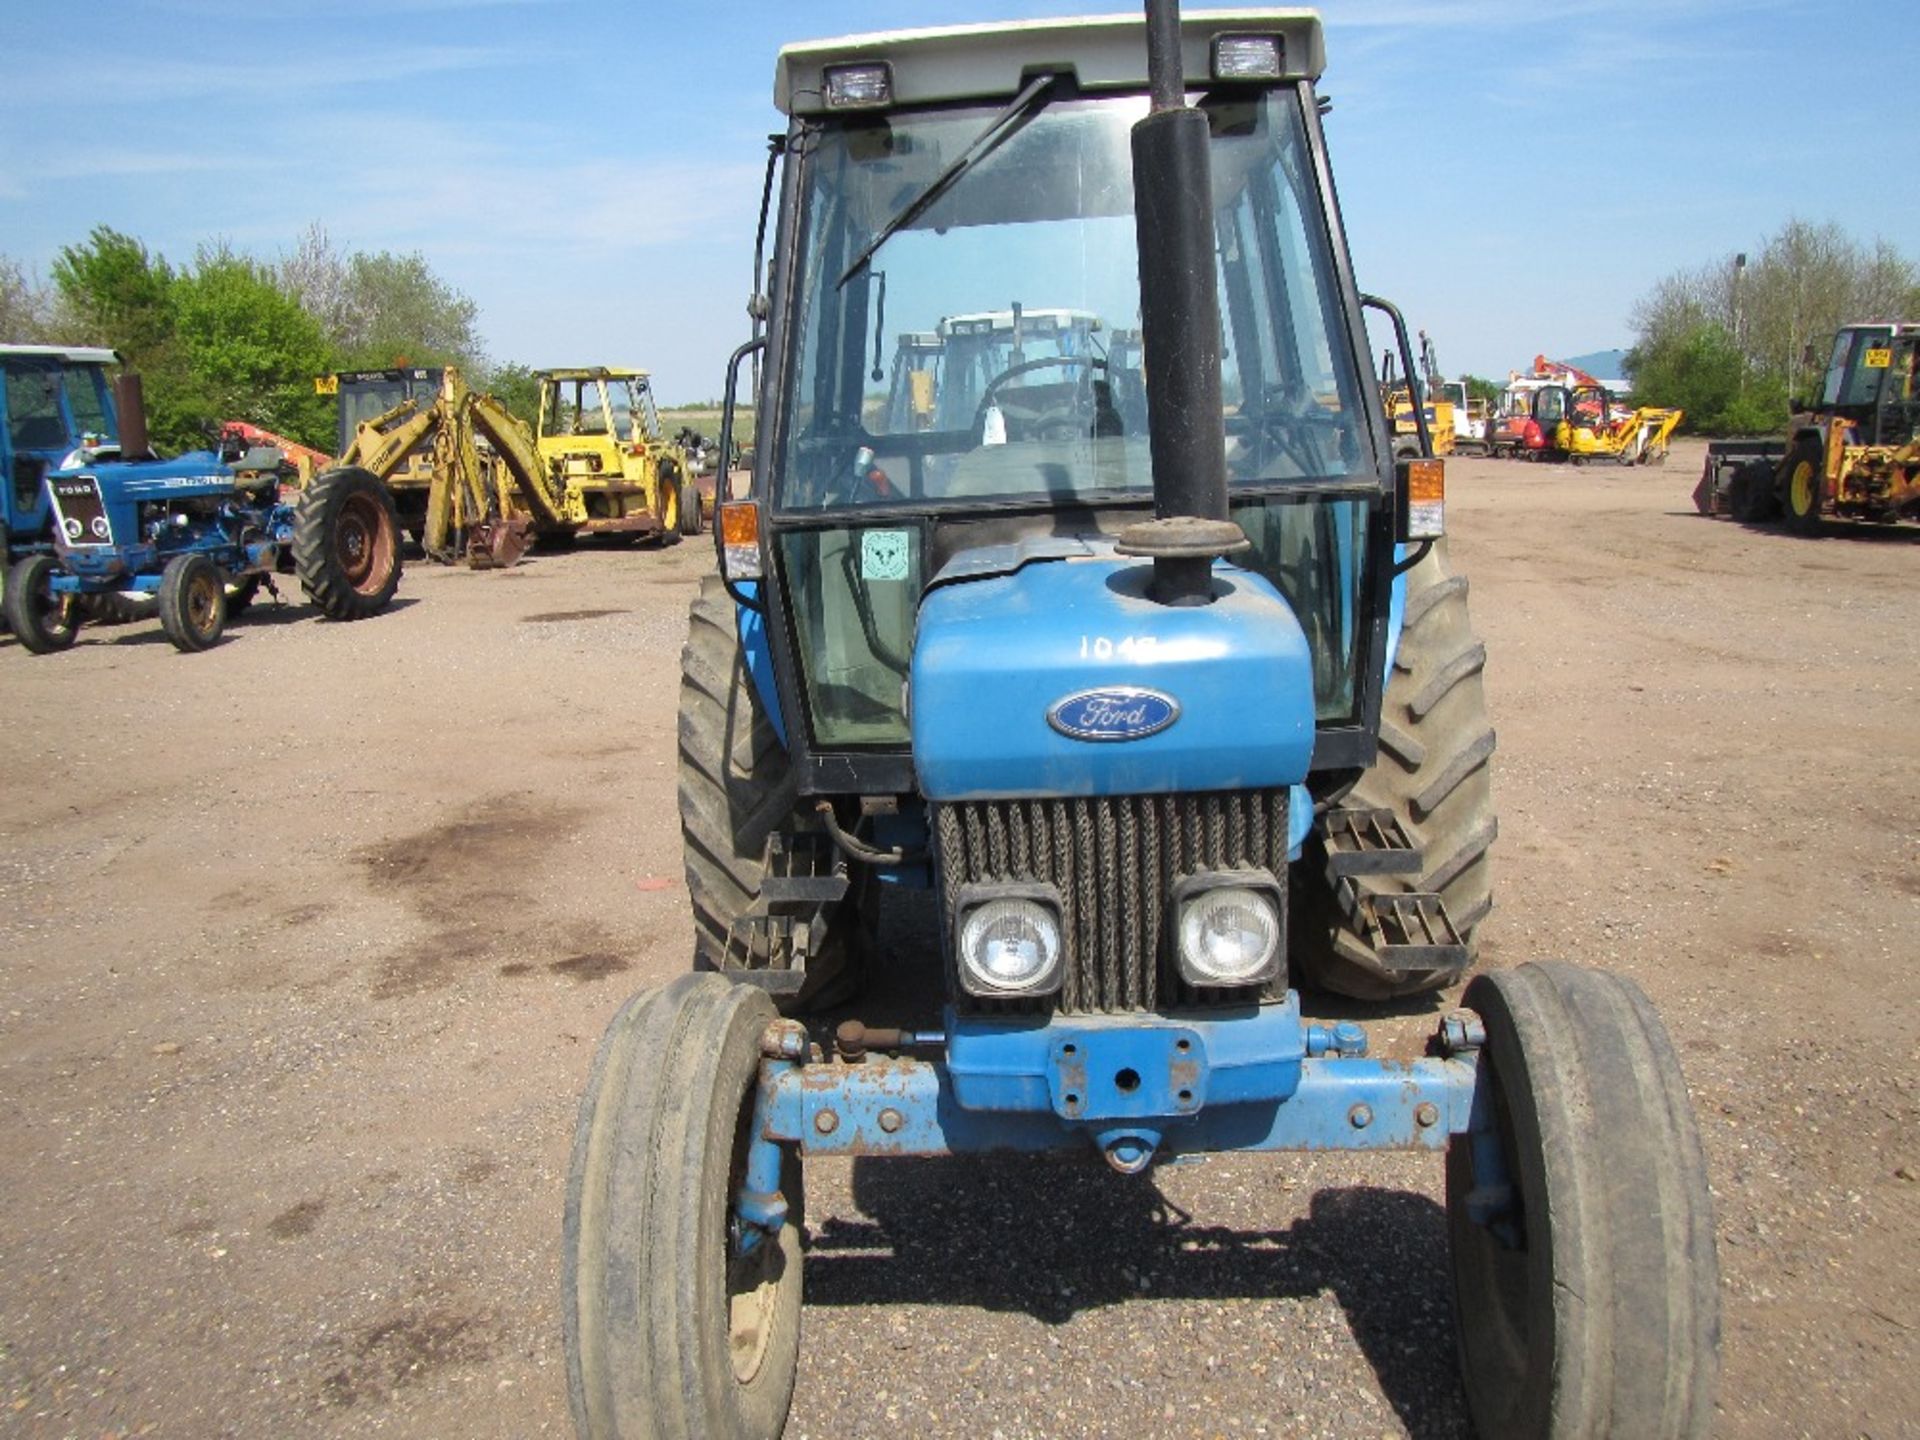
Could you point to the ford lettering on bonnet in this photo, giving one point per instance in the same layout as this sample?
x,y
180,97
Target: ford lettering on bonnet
x,y
1115,712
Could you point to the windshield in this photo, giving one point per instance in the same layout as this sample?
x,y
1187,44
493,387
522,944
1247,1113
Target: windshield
x,y
990,351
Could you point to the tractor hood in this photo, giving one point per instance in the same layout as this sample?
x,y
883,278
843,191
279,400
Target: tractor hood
x,y
198,472
1036,677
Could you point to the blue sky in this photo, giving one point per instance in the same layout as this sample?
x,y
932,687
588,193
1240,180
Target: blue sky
x,y
1515,175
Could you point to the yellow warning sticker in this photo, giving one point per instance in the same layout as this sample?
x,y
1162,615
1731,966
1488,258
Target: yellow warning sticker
x,y
1878,358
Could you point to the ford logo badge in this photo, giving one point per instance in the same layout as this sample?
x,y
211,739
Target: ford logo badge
x,y
1113,712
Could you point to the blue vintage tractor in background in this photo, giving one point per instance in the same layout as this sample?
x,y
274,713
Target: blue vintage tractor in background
x,y
201,534
1144,661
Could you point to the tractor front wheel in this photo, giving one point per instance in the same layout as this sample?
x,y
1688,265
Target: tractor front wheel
x,y
1586,1289
676,1326
689,507
1802,481
193,602
41,620
346,544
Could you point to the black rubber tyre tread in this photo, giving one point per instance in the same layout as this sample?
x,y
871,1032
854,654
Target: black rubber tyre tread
x,y
242,595
1804,451
112,607
736,787
315,557
183,576
644,1240
1617,1280
1753,496
41,632
689,507
1434,774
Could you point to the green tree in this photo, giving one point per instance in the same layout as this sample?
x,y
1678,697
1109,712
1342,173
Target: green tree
x,y
1479,388
515,387
1700,370
251,350
113,292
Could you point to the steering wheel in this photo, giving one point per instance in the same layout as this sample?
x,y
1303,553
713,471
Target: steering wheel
x,y
1054,415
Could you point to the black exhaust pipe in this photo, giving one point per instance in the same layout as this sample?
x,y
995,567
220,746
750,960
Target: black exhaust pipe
x,y
130,404
1180,320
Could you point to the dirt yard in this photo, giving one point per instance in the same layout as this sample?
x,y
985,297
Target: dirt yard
x,y
305,944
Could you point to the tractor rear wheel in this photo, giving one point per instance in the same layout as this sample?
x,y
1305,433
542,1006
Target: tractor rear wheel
x,y
1586,1290
1802,480
737,788
193,602
40,620
1432,773
672,1333
346,544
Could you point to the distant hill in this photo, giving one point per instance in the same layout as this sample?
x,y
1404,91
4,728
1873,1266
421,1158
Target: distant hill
x,y
1601,364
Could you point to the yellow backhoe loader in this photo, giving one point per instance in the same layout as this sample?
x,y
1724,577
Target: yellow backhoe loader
x,y
467,478
600,436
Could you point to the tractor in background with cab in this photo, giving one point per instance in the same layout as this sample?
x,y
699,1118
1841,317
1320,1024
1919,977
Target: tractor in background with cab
x,y
1162,714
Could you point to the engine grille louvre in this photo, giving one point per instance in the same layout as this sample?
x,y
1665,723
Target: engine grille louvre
x,y
1114,860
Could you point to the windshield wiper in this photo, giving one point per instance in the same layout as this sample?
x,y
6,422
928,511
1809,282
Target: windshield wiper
x,y
1021,109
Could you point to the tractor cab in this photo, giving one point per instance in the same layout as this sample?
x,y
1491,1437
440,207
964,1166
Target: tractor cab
x,y
54,400
1871,382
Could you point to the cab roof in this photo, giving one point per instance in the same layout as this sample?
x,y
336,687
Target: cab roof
x,y
76,354
595,372
986,62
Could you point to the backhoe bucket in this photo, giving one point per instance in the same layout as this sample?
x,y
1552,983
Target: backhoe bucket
x,y
499,542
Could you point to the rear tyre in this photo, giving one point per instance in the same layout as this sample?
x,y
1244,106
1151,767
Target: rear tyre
x,y
40,620
737,788
1586,1289
346,544
1802,479
669,1333
1432,772
193,602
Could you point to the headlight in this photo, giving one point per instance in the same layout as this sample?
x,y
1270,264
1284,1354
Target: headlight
x,y
1231,928
1008,944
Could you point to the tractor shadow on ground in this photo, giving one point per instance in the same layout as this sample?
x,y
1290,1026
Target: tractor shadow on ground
x,y
1854,532
1052,1238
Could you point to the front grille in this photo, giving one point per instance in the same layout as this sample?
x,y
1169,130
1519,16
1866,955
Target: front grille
x,y
1114,860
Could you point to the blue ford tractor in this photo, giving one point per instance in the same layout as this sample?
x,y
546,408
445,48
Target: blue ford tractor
x,y
1147,662
201,534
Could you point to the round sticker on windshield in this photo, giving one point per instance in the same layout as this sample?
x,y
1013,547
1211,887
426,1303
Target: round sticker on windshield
x,y
884,554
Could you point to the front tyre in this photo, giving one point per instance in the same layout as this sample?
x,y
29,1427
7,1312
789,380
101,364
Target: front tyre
x,y
193,603
670,1333
1586,1288
346,544
1803,478
40,619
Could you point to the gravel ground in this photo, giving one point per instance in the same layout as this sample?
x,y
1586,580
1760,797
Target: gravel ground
x,y
305,944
